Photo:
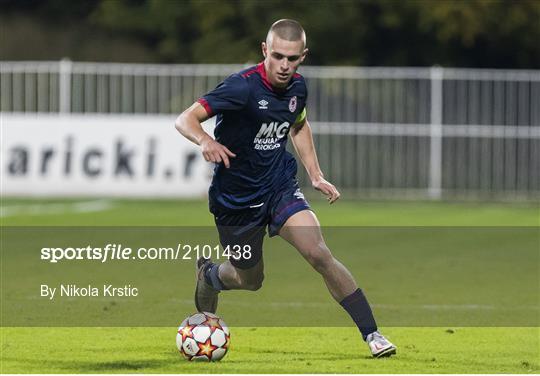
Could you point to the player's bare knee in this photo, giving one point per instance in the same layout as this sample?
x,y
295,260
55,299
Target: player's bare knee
x,y
252,282
255,283
321,258
252,286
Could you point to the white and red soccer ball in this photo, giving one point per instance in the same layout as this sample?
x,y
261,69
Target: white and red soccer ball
x,y
203,336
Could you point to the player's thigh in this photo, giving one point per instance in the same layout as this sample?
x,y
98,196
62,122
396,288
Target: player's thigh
x,y
303,231
241,234
244,247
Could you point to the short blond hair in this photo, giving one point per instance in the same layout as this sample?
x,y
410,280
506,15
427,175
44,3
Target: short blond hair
x,y
287,29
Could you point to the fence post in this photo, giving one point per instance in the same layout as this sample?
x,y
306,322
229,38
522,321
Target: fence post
x,y
65,86
435,153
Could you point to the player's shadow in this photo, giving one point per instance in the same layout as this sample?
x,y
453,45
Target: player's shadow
x,y
95,367
119,365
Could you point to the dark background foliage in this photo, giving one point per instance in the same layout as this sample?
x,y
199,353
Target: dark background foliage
x,y
461,33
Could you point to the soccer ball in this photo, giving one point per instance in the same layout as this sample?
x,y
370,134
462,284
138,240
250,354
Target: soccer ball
x,y
203,336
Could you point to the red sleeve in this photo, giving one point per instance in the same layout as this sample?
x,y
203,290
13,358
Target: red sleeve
x,y
206,106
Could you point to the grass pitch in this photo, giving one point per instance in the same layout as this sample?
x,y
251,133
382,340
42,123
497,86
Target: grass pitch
x,y
271,350
323,349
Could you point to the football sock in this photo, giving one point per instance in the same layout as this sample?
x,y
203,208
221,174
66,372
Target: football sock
x,y
211,276
358,308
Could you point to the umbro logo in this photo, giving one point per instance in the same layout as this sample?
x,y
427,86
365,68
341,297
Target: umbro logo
x,y
298,194
263,105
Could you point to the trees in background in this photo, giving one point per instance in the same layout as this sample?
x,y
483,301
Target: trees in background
x,y
468,33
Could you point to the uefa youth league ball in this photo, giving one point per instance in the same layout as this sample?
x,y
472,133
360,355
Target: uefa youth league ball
x,y
203,336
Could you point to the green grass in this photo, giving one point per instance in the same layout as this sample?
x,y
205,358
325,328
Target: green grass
x,y
270,350
447,301
342,213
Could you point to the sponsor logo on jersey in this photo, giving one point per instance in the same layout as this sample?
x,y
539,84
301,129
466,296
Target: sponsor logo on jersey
x,y
292,104
270,134
263,104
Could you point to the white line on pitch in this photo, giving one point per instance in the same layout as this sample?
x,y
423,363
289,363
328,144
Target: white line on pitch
x,y
383,306
56,208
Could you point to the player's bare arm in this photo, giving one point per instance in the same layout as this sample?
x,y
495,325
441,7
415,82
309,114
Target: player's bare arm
x,y
189,126
302,139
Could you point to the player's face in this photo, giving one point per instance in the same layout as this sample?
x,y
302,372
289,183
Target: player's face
x,y
281,59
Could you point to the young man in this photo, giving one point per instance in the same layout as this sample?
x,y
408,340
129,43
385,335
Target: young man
x,y
254,183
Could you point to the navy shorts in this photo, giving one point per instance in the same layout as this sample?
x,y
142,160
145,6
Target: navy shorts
x,y
243,230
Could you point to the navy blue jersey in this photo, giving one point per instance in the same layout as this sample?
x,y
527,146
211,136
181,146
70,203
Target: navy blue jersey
x,y
253,121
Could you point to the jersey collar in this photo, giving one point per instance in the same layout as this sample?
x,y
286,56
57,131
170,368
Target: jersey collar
x,y
266,82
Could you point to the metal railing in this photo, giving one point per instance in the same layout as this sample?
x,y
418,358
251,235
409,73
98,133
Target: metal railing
x,y
428,132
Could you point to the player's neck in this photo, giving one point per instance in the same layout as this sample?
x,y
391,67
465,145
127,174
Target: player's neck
x,y
268,82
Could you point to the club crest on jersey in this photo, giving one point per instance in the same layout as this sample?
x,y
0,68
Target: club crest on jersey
x,y
263,104
292,104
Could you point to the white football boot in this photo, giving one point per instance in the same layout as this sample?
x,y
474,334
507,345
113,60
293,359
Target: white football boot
x,y
380,346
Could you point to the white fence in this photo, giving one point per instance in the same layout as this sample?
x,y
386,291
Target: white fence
x,y
419,132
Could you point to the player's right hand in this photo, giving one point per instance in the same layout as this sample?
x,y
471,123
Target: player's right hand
x,y
213,151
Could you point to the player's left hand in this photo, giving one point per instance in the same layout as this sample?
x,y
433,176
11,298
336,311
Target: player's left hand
x,y
327,188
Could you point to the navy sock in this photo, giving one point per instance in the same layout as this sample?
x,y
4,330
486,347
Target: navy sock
x,y
211,276
358,307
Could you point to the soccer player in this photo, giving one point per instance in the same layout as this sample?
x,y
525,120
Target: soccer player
x,y
254,184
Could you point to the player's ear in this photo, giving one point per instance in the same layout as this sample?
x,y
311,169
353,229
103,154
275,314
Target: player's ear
x,y
304,54
264,49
